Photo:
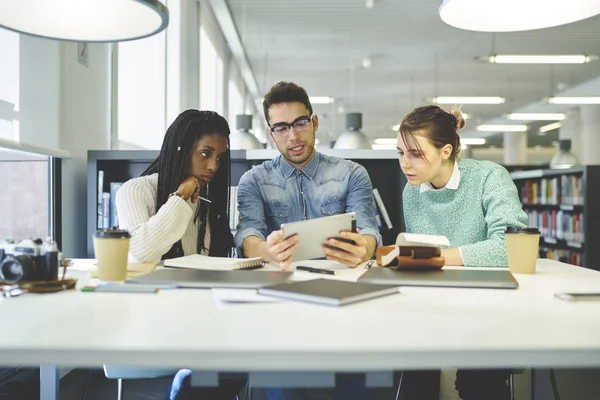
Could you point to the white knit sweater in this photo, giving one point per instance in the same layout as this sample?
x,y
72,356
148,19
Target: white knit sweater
x,y
152,233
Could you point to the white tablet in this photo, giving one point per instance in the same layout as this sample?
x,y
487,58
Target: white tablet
x,y
313,233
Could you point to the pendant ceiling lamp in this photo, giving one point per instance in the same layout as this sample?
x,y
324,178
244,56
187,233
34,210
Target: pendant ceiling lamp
x,y
85,20
515,15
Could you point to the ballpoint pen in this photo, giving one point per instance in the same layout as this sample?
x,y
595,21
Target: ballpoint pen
x,y
206,200
315,270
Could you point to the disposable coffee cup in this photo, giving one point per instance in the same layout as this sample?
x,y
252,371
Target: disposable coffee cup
x,y
522,246
111,247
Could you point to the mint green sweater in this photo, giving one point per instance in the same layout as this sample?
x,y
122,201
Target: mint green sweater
x,y
472,217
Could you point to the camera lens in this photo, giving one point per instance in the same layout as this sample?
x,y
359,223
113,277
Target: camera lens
x,y
14,268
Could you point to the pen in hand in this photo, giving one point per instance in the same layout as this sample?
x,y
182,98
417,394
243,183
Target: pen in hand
x,y
315,270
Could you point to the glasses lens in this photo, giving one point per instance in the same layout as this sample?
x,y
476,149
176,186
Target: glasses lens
x,y
281,130
301,124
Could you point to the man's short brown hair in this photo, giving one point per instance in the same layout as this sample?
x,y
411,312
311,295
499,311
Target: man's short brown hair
x,y
285,92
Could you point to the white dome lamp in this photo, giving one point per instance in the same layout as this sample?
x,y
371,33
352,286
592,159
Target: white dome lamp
x,y
242,139
86,21
352,137
564,158
515,15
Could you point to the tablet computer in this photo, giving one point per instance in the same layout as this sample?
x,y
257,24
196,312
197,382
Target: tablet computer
x,y
313,233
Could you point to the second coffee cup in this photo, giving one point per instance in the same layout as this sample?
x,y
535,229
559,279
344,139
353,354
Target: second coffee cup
x,y
111,247
522,246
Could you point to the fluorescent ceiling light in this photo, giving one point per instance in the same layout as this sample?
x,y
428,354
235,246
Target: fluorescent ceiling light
x,y
472,141
538,59
85,20
549,127
320,100
574,100
383,147
502,128
536,116
514,15
390,141
469,100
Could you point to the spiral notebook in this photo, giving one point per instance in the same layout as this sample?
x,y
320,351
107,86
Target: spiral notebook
x,y
198,261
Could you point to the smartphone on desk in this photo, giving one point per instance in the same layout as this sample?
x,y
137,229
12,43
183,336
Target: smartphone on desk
x,y
578,296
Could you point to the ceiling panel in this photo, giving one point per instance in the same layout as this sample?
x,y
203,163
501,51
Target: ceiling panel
x,y
321,44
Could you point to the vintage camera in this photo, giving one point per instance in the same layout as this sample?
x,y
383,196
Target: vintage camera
x,y
29,260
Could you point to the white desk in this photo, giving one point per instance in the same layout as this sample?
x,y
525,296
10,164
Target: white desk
x,y
418,329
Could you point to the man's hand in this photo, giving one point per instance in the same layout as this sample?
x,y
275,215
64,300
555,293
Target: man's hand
x,y
350,254
281,250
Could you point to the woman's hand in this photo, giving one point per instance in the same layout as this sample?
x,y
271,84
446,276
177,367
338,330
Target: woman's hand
x,y
189,188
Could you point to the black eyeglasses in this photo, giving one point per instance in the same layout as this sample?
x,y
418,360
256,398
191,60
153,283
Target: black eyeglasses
x,y
283,128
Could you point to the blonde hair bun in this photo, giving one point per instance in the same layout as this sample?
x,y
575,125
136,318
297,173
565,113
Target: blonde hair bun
x,y
460,120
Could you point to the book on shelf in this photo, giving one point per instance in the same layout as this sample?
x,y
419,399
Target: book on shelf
x,y
198,261
565,190
114,219
559,224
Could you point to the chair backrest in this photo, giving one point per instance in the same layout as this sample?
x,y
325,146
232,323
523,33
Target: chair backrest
x,y
127,372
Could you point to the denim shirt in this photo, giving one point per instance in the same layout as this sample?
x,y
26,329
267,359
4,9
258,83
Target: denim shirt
x,y
276,192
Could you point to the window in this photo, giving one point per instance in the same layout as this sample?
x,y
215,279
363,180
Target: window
x,y
9,85
141,93
211,75
24,213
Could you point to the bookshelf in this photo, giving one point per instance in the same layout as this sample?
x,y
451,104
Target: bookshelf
x,y
564,204
122,165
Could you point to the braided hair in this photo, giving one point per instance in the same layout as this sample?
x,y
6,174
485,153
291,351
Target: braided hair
x,y
173,166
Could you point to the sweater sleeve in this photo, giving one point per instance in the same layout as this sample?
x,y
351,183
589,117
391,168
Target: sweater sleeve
x,y
152,234
502,208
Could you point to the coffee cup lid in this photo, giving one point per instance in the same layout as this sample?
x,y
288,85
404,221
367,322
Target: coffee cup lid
x,y
518,229
112,233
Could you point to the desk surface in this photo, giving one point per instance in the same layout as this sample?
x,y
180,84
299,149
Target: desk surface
x,y
419,328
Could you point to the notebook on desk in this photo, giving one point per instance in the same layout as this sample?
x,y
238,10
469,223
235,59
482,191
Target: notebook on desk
x,y
206,279
198,261
328,292
460,278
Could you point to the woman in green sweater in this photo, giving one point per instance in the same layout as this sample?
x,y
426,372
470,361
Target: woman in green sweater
x,y
471,202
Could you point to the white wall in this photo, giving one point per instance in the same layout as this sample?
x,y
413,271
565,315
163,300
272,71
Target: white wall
x,y
66,105
85,125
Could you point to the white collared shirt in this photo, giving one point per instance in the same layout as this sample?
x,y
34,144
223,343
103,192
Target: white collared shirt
x,y
452,183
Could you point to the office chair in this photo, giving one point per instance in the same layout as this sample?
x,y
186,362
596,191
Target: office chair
x,y
120,373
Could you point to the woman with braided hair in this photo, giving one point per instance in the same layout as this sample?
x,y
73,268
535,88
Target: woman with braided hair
x,y
180,206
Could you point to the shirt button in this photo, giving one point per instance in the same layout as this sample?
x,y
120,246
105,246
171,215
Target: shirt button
x,y
280,215
302,192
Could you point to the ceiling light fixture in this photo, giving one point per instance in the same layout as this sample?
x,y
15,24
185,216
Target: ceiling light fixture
x,y
536,116
320,100
86,21
472,141
574,100
383,146
390,141
469,100
514,15
549,127
537,59
502,128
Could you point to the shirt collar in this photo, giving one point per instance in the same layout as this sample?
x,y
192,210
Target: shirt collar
x,y
452,183
309,169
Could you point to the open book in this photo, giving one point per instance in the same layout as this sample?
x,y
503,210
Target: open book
x,y
418,239
197,261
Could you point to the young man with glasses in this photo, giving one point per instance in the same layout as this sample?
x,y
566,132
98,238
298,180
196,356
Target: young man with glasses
x,y
301,184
